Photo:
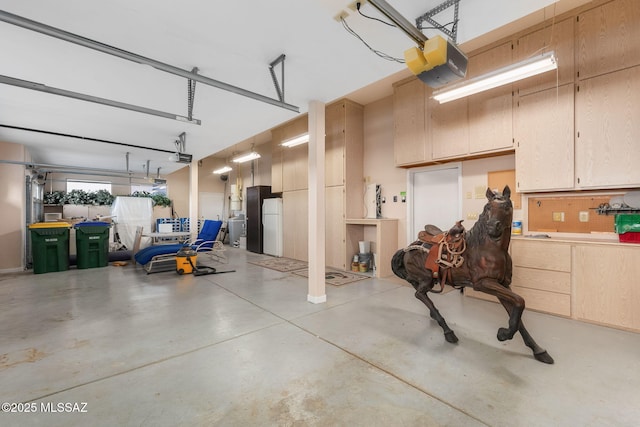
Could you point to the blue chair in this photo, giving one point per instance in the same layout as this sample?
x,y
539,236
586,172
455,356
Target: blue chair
x,y
162,257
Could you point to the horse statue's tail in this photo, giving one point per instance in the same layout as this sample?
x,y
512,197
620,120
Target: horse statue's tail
x,y
397,264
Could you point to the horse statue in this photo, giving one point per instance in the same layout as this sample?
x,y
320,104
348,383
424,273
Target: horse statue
x,y
478,257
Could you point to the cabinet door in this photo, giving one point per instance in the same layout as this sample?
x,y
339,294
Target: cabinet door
x,y
335,227
295,168
409,134
295,211
606,289
544,140
276,160
490,112
334,144
608,38
557,38
608,130
449,129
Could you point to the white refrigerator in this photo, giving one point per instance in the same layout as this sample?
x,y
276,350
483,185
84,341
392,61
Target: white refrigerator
x,y
272,234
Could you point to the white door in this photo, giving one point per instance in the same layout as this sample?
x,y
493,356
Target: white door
x,y
434,197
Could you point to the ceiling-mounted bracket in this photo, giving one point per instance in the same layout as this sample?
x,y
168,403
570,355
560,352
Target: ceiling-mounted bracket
x,y
453,33
191,94
279,86
181,142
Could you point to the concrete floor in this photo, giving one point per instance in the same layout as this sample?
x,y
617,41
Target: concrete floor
x,y
246,349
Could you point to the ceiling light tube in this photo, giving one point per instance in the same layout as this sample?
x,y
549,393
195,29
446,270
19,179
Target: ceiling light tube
x,y
300,139
512,73
222,170
246,157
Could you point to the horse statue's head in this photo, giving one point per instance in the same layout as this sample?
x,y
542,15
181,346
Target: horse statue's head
x,y
498,213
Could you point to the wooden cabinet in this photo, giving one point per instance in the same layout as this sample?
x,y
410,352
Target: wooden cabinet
x,y
289,169
295,212
490,112
608,38
449,129
558,38
606,285
608,130
544,136
344,149
541,275
384,246
411,144
335,254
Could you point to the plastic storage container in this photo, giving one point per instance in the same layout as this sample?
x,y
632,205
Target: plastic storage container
x,y
92,244
50,246
628,228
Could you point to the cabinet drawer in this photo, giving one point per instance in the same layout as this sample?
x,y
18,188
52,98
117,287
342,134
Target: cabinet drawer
x,y
549,302
535,299
544,280
542,255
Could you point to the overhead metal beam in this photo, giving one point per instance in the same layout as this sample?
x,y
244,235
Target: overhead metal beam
x,y
407,27
76,95
104,48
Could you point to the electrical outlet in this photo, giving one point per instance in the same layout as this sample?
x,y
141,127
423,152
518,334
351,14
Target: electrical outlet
x,y
472,215
340,16
558,216
583,216
354,5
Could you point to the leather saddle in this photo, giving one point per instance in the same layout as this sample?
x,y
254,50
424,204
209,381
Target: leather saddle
x,y
446,248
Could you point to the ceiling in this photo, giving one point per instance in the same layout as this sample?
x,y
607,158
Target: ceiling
x,y
232,42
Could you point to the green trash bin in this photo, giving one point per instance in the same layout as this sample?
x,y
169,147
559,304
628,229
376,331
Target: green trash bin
x,y
92,244
50,246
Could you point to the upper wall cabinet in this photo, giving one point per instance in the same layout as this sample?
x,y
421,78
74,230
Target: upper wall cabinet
x,y
544,140
448,129
608,130
490,112
344,128
608,38
276,160
556,37
289,169
410,142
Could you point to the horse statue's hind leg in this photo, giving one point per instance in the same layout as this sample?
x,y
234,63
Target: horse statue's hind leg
x,y
409,265
421,294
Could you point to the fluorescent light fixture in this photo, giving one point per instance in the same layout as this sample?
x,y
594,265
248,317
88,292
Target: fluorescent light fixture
x,y
246,157
222,170
300,139
512,73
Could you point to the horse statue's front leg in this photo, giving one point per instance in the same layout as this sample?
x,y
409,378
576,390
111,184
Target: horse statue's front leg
x,y
513,302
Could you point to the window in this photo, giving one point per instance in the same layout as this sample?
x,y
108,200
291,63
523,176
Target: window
x,y
88,186
151,189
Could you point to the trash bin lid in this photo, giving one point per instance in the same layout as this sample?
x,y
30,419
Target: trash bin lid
x,y
57,224
92,224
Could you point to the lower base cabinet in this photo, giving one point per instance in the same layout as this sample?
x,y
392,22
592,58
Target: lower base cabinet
x,y
606,285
